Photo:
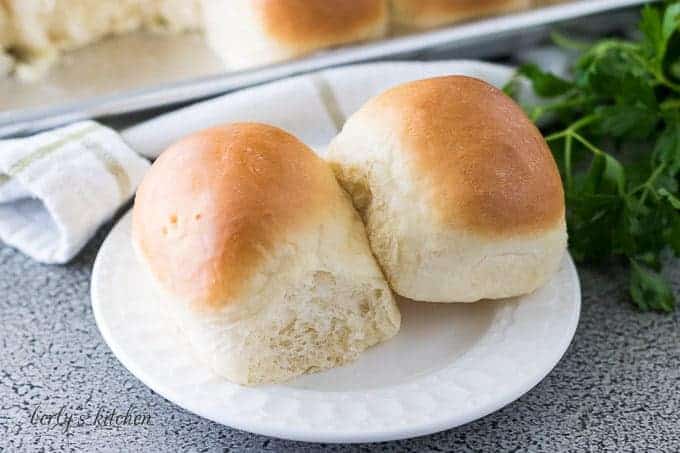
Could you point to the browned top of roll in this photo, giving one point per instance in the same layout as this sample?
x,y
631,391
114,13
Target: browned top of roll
x,y
311,23
483,164
215,205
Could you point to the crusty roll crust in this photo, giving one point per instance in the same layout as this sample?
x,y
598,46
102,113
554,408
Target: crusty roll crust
x,y
486,167
304,24
215,203
433,13
248,33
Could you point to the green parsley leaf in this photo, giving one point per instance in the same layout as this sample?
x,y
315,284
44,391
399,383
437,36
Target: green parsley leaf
x,y
615,134
545,84
671,21
649,290
636,121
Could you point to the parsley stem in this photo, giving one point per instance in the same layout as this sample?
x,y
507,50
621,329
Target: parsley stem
x,y
670,104
567,162
569,43
662,79
586,143
538,111
569,135
648,185
557,135
586,120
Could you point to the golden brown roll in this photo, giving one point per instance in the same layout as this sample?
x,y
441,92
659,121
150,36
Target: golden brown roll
x,y
433,13
247,33
458,190
260,254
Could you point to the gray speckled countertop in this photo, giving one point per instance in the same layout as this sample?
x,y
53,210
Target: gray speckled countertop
x,y
616,389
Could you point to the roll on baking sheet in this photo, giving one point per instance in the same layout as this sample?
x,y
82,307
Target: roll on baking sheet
x,y
145,69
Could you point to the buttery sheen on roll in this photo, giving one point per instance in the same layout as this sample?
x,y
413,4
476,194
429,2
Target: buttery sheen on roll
x,y
261,256
458,190
247,33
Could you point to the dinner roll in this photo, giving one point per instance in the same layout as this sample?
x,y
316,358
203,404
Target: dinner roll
x,y
37,31
433,13
458,190
247,33
261,256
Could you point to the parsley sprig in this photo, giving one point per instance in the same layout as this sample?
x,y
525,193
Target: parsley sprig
x,y
615,133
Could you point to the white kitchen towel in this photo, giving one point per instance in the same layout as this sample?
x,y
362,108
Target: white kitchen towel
x,y
58,187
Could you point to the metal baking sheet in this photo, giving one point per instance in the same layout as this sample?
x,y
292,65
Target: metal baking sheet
x,y
108,79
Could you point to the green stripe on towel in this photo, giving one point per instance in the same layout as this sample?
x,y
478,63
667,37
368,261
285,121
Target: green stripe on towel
x,y
329,101
45,150
113,167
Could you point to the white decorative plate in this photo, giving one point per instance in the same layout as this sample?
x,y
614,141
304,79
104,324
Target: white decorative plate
x,y
450,363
